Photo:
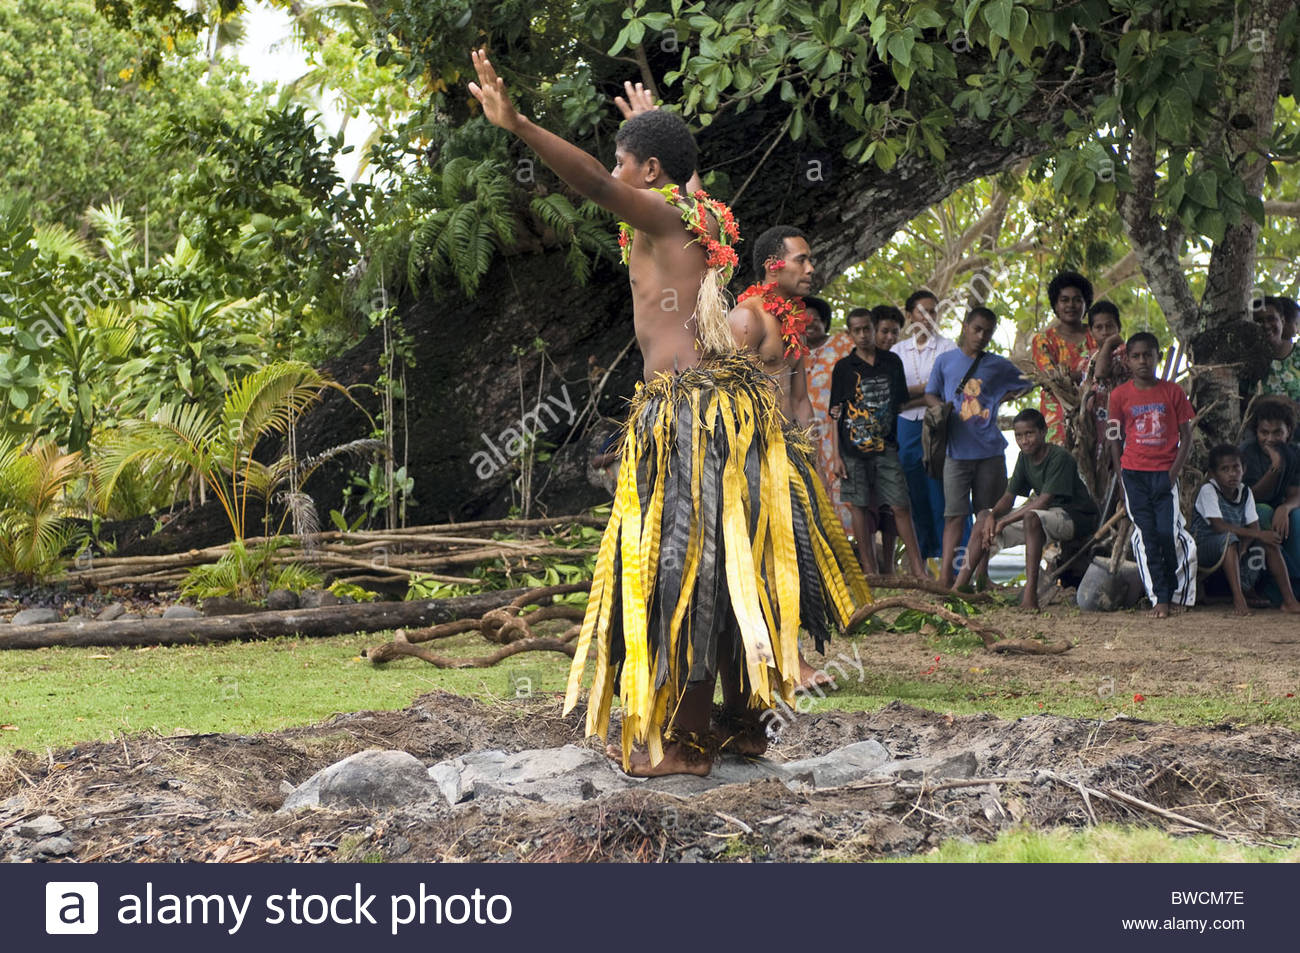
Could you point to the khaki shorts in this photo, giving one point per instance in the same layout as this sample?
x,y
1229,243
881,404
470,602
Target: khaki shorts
x,y
985,480
880,472
1057,527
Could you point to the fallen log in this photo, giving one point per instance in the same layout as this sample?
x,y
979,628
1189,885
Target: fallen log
x,y
303,623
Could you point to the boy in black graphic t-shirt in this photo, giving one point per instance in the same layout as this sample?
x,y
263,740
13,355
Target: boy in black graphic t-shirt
x,y
868,388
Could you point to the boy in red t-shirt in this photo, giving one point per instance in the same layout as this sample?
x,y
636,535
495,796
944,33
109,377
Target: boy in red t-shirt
x,y
1150,421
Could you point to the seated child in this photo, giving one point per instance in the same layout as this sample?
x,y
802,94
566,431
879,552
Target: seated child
x,y
1226,527
1059,508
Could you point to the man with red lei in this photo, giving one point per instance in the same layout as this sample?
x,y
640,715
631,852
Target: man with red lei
x,y
770,323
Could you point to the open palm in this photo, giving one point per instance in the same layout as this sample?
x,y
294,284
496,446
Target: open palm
x,y
490,91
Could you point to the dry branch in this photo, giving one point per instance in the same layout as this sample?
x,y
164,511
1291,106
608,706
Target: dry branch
x,y
927,585
508,626
993,640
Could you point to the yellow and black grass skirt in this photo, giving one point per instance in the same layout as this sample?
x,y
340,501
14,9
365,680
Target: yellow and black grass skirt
x,y
719,520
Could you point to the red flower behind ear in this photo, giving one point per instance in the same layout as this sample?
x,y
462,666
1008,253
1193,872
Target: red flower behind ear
x,y
776,264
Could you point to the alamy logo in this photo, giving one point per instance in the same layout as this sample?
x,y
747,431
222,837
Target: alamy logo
x,y
72,906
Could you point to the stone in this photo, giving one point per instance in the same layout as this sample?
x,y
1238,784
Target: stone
x,y
316,598
181,612
224,605
371,778
35,617
53,847
572,774
129,617
842,766
78,619
953,767
1100,591
109,613
47,825
280,600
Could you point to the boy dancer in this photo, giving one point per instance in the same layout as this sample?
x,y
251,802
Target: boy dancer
x,y
1059,507
1227,530
1149,429
704,569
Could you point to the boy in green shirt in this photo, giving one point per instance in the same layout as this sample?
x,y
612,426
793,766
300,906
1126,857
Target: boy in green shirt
x,y
1059,508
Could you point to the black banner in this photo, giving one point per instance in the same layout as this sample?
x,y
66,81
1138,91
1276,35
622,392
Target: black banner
x,y
486,907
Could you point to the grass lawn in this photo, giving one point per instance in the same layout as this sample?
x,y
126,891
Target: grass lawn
x,y
1108,843
61,696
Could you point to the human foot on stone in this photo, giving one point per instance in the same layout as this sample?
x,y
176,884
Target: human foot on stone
x,y
678,759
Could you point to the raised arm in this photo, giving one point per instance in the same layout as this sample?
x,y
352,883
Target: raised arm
x,y
643,209
641,100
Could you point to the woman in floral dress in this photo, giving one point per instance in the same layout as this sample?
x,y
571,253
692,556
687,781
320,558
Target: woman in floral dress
x,y
1065,345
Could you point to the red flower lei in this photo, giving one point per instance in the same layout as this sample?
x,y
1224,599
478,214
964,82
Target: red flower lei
x,y
789,311
718,252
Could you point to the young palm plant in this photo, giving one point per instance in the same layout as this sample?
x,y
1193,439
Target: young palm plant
x,y
218,447
34,529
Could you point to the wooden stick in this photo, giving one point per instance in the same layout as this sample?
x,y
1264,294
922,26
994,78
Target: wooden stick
x,y
926,585
400,647
993,640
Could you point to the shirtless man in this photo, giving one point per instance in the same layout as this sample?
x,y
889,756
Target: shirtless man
x,y
673,607
783,258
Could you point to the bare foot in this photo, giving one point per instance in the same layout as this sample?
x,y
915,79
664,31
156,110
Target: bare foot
x,y
1161,611
1292,607
677,760
1241,608
742,733
812,678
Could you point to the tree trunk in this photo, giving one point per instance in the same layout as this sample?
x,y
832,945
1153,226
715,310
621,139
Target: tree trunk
x,y
304,623
463,394
1217,330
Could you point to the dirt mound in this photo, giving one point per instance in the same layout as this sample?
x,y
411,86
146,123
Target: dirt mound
x,y
213,797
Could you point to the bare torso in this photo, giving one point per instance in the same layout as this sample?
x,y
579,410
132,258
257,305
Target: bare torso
x,y
759,332
665,275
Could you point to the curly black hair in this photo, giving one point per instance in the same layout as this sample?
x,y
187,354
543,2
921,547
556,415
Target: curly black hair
x,y
1105,307
771,244
920,294
1070,279
822,308
661,135
887,312
1224,451
1273,408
